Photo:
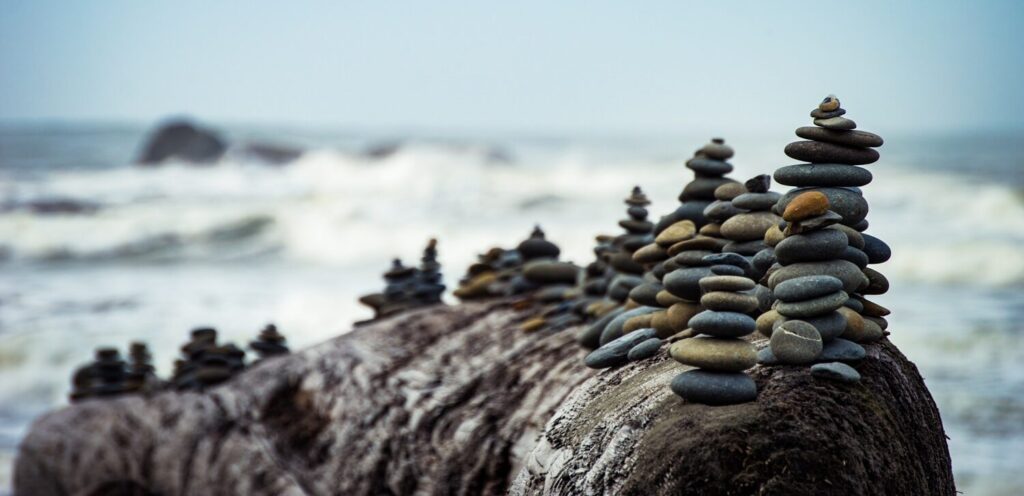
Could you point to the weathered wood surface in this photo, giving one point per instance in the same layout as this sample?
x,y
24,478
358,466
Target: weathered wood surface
x,y
457,400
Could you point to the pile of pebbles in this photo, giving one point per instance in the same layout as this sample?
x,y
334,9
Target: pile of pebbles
x,y
269,343
107,375
205,362
719,353
407,287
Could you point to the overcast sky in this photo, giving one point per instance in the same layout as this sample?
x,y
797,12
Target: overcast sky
x,y
586,66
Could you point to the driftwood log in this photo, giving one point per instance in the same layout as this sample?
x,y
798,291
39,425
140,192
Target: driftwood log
x,y
458,400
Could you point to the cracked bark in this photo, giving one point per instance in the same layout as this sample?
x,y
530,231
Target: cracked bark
x,y
457,400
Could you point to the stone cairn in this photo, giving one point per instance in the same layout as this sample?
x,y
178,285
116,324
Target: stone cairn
x,y
668,297
141,373
205,363
407,287
719,352
107,375
269,343
549,281
821,255
488,276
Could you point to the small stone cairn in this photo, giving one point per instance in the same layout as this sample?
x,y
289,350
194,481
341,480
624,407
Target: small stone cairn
x,y
107,375
269,343
205,362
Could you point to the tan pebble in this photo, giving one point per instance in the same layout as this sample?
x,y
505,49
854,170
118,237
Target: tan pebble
x,y
679,314
773,236
854,324
638,322
680,231
727,301
660,323
872,332
805,206
667,299
727,355
534,324
728,191
712,229
872,309
650,254
829,104
766,321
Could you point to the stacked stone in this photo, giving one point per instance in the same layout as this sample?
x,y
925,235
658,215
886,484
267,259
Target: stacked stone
x,y
107,375
428,288
206,363
489,276
141,373
835,150
746,228
811,284
624,273
400,282
719,353
709,166
551,280
269,343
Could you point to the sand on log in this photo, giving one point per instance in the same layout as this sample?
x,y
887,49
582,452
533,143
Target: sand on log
x,y
458,400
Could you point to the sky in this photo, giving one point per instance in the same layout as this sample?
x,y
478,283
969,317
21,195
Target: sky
x,y
574,66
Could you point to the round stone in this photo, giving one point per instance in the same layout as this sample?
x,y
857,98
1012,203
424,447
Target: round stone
x,y
722,324
849,204
807,287
842,350
813,307
836,123
882,323
854,305
666,299
549,272
591,337
644,350
796,342
857,257
685,283
829,104
702,188
679,231
616,352
727,270
725,301
726,283
872,332
716,150
835,371
853,238
679,315
749,226
765,323
861,139
806,205
826,244
613,330
822,175
726,259
845,271
830,153
723,355
728,191
720,210
747,248
650,254
773,236
713,229
715,388
661,324
821,114
854,329
709,166
646,294
876,249
829,326
755,201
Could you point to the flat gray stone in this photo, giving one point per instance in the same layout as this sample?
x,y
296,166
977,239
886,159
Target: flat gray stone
x,y
835,371
822,175
715,388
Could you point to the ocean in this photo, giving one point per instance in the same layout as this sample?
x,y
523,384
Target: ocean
x,y
97,251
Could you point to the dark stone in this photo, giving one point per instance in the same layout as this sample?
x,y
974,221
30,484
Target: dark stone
x,y
861,139
709,167
822,175
859,258
876,249
182,141
702,188
591,337
727,270
692,258
645,349
812,307
645,294
830,325
842,350
824,244
715,388
269,153
621,285
806,288
854,305
835,371
691,210
861,226
756,201
758,184
845,271
828,153
616,352
836,123
877,282
852,206
748,248
613,330
722,324
726,259
764,259
685,282
719,211
822,114
766,357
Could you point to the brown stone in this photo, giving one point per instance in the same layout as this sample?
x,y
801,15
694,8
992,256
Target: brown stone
x,y
660,322
749,226
773,236
534,324
872,309
679,314
726,301
697,243
638,322
854,324
713,229
667,299
728,191
680,231
650,254
766,321
805,206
